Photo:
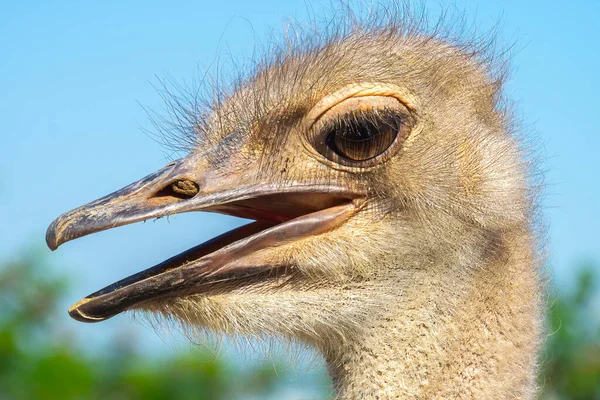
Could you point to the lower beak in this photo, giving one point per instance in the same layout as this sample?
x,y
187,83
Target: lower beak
x,y
283,214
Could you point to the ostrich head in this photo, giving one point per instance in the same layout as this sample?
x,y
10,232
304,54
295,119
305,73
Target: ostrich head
x,y
382,176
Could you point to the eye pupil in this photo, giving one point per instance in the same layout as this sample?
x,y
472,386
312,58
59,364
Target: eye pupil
x,y
360,139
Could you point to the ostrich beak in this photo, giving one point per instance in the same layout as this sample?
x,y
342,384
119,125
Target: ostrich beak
x,y
283,213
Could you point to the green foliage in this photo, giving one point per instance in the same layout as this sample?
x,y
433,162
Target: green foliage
x,y
38,360
572,355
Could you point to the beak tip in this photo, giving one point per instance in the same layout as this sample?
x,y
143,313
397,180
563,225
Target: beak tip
x,y
74,313
77,314
52,239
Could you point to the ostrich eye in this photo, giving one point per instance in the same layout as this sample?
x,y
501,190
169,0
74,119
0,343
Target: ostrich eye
x,y
362,137
361,132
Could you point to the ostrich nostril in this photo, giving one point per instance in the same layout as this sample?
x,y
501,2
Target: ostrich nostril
x,y
185,188
180,189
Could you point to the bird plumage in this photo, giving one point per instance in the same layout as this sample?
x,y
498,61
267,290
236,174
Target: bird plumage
x,y
429,287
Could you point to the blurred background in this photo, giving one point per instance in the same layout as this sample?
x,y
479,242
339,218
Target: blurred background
x,y
76,80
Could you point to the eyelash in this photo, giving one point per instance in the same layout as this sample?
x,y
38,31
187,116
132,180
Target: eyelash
x,y
359,137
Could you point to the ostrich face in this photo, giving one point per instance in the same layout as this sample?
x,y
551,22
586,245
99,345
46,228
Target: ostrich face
x,y
360,161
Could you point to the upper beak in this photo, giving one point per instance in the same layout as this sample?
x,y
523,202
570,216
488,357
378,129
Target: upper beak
x,y
284,213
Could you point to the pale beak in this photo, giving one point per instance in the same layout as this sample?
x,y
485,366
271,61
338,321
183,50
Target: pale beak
x,y
284,213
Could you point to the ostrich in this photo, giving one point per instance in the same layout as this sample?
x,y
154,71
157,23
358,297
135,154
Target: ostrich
x,y
393,218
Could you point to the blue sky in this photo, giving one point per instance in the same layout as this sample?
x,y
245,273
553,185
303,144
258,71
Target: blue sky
x,y
75,75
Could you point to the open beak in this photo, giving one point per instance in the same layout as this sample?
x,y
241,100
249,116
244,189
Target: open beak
x,y
284,213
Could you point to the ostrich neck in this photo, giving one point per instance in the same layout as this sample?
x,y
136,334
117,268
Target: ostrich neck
x,y
466,332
